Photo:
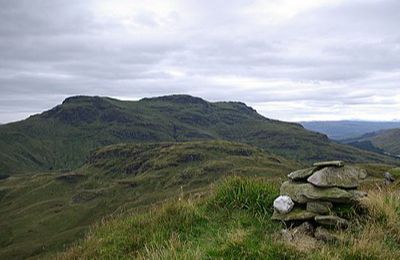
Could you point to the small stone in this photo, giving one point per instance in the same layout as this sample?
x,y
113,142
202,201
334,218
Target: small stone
x,y
301,174
319,207
286,234
305,228
324,235
295,214
362,174
343,177
283,204
332,221
305,192
329,163
389,177
303,241
357,195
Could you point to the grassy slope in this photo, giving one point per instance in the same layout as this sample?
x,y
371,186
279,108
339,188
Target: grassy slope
x,y
234,223
62,138
387,140
40,213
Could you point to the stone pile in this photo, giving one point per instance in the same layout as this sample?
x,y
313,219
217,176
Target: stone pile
x,y
314,193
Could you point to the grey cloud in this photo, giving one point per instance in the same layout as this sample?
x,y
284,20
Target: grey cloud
x,y
334,56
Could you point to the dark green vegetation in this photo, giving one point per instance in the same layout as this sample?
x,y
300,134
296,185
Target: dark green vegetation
x,y
39,213
341,130
387,141
234,223
62,137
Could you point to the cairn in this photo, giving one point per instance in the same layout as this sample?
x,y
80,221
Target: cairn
x,y
311,195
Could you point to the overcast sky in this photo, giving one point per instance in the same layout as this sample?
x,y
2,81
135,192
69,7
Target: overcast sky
x,y
289,59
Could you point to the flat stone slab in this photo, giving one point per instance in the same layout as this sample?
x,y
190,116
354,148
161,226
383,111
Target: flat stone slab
x,y
344,177
358,195
301,174
331,221
319,207
295,214
306,192
329,163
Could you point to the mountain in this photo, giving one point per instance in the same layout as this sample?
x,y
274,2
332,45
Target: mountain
x,y
340,130
63,137
386,141
44,212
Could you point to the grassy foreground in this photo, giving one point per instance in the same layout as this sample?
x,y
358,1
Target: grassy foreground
x,y
234,223
43,213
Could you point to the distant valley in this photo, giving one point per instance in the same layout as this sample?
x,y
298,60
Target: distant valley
x,y
385,141
341,130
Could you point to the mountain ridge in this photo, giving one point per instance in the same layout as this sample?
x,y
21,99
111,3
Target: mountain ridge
x,y
62,137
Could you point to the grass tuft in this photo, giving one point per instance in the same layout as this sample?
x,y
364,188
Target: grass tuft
x,y
248,194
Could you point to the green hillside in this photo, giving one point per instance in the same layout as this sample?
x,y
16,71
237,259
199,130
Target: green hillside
x,y
62,137
387,141
234,222
40,213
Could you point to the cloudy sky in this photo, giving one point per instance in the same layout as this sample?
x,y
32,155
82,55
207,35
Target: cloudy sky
x,y
289,59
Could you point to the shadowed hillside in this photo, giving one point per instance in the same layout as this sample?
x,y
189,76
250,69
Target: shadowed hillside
x,y
387,141
62,137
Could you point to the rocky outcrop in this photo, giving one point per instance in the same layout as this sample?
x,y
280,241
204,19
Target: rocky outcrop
x,y
317,193
314,196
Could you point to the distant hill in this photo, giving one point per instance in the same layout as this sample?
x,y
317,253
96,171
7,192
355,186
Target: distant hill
x,y
340,130
387,141
63,137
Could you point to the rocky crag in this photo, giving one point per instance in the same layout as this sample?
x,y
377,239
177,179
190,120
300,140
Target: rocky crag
x,y
315,196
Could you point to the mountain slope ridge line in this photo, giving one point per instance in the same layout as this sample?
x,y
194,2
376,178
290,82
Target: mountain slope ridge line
x,y
62,137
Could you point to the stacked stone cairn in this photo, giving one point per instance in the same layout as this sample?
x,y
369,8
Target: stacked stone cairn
x,y
311,195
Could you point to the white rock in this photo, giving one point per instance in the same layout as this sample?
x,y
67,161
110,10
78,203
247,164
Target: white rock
x,y
283,204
